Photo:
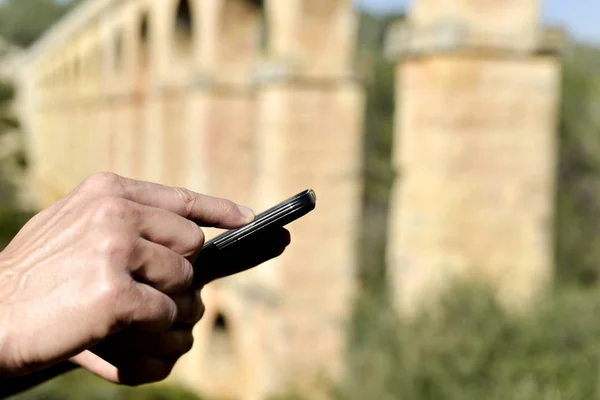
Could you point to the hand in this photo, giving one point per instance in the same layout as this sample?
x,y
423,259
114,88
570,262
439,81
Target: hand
x,y
113,256
135,357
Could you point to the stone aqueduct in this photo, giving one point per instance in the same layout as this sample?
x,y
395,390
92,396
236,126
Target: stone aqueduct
x,y
256,100
190,93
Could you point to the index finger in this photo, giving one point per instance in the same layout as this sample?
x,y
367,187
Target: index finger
x,y
205,210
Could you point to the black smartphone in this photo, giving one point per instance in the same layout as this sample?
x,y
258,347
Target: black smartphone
x,y
236,250
276,217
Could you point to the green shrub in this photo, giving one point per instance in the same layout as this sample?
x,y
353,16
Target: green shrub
x,y
83,385
472,349
578,195
11,221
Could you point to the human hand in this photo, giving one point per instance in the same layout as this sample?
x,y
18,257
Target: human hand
x,y
113,256
135,357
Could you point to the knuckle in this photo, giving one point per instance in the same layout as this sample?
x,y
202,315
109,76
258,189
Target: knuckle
x,y
163,371
103,181
197,237
188,200
113,296
225,206
169,313
115,248
110,208
104,291
120,292
187,273
187,342
123,303
199,309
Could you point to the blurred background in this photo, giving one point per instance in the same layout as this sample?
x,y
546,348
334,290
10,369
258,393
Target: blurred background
x,y
448,142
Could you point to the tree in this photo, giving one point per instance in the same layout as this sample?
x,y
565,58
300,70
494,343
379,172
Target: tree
x,y
22,22
578,195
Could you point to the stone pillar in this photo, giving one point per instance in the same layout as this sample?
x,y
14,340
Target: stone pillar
x,y
229,43
69,101
309,136
219,100
477,91
145,102
106,74
126,42
170,90
77,111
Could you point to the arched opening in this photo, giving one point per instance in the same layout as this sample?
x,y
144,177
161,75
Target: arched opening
x,y
220,350
223,374
184,29
118,51
264,27
144,39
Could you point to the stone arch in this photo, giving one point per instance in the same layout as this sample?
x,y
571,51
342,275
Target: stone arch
x,y
144,37
264,38
222,356
118,45
220,339
144,34
184,27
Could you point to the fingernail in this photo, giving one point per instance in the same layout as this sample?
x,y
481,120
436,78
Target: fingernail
x,y
248,213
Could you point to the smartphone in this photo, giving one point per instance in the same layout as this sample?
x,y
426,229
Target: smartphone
x,y
233,251
276,217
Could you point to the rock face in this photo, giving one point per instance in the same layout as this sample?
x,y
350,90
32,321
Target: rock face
x,y
255,101
475,149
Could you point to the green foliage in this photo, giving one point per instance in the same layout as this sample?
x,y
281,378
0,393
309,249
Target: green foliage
x,y
83,385
472,349
7,92
11,222
578,196
22,22
379,130
8,121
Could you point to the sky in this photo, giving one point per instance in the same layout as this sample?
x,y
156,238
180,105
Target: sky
x,y
580,18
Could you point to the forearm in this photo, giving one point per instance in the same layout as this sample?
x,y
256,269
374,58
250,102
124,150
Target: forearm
x,y
12,386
